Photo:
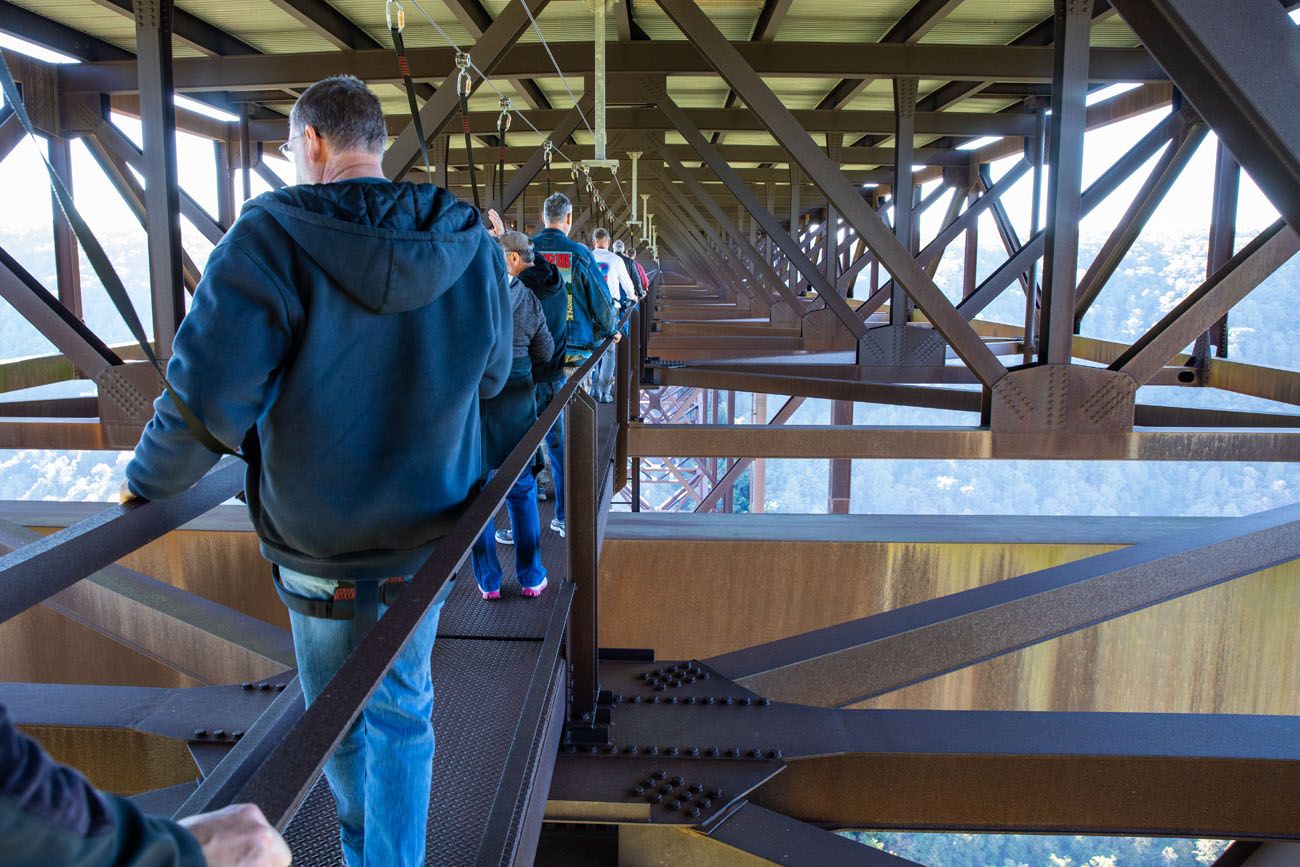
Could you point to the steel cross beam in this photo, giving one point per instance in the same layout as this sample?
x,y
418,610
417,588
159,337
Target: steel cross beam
x,y
1239,75
434,114
525,174
762,271
1126,232
702,226
847,663
826,290
1209,302
893,255
1150,144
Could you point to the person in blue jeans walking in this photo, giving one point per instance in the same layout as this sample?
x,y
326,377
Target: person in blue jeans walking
x,y
506,420
369,319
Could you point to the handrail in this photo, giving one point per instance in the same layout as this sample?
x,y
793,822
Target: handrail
x,y
33,573
279,783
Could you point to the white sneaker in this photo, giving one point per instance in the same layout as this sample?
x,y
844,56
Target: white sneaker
x,y
505,537
558,526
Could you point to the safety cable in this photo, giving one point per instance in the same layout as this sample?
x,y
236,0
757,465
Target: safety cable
x,y
464,85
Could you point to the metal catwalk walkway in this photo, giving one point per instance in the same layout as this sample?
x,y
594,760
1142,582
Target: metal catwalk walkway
x,y
484,670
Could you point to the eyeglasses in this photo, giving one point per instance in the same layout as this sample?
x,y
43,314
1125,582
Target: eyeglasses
x,y
286,149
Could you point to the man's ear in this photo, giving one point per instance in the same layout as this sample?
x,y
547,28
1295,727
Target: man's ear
x,y
314,147
568,219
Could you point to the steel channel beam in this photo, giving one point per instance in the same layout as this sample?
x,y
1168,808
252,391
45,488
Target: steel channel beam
x,y
957,443
776,59
707,259
67,266
1223,239
1126,232
1150,144
1209,302
36,572
1247,853
895,256
874,655
1239,77
437,111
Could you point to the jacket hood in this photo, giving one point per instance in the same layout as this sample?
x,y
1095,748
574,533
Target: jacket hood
x,y
390,247
543,278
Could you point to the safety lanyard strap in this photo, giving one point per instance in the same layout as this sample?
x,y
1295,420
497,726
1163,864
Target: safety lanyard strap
x,y
104,270
399,47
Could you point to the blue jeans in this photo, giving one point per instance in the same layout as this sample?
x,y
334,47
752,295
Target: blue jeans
x,y
602,376
383,768
545,391
521,502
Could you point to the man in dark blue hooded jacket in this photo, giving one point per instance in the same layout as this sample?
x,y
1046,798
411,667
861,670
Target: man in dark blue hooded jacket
x,y
345,330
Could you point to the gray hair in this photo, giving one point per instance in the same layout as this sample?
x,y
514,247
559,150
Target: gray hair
x,y
516,242
556,206
619,246
601,234
344,112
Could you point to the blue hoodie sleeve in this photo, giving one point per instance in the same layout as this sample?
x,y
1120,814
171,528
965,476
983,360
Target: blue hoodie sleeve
x,y
225,360
50,815
502,336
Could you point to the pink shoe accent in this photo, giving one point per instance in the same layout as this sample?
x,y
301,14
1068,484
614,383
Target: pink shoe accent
x,y
491,594
533,592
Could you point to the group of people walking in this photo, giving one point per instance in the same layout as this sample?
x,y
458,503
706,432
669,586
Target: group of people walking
x,y
373,352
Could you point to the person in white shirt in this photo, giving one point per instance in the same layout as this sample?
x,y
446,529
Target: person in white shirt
x,y
621,289
622,294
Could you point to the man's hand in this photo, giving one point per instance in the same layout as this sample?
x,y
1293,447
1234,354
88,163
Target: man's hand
x,y
238,836
618,335
125,495
497,228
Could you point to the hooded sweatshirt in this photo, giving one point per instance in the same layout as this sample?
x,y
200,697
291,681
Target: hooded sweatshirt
x,y
591,310
344,334
545,281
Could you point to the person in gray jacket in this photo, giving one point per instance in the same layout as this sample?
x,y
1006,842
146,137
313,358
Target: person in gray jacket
x,y
506,419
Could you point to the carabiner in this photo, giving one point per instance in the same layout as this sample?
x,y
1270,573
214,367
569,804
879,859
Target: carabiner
x,y
401,15
503,119
464,82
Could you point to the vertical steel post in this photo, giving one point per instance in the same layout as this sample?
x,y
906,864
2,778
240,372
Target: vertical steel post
x,y
1223,239
581,505
795,180
153,36
634,156
904,148
1035,145
1064,186
226,210
622,404
245,152
67,267
598,76
841,477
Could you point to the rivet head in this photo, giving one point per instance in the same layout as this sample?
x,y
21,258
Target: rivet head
x,y
733,752
677,781
280,686
672,699
715,793
746,701
697,788
638,790
246,685
237,734
666,790
618,698
629,749
654,699
695,812
570,749
672,751
609,748
755,753
711,751
673,805
728,700
264,686
218,733
690,699
636,699
659,775
765,701
692,751
774,754
651,751
659,687
200,733
704,803
654,797
642,676
708,699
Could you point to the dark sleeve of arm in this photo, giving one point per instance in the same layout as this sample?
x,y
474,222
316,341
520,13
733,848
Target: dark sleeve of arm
x,y
227,352
501,338
540,346
50,815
